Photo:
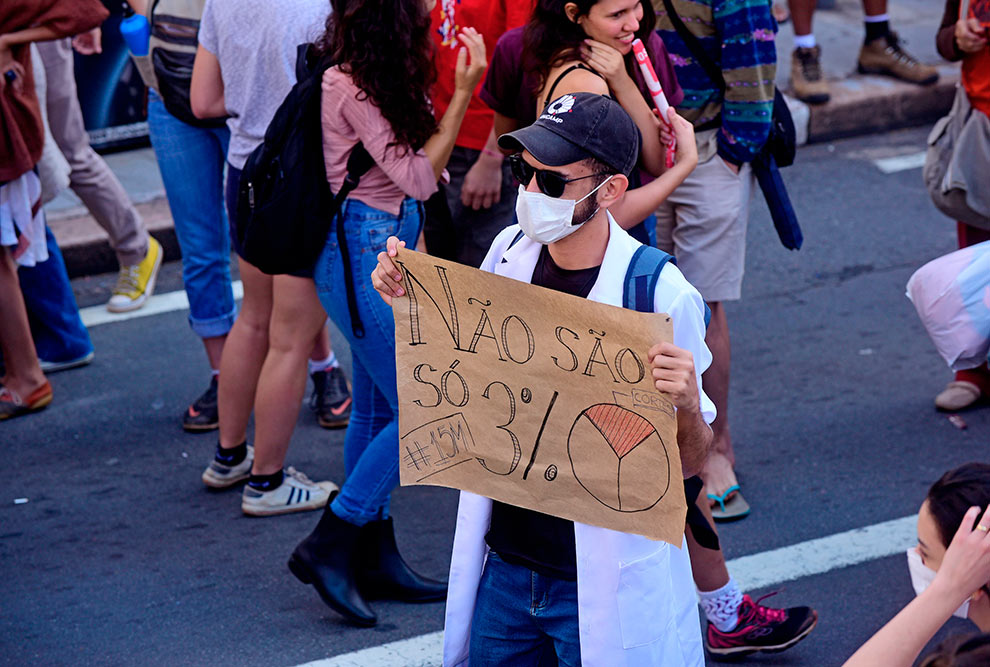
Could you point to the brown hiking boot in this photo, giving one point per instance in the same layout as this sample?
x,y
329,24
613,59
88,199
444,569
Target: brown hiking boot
x,y
807,80
885,56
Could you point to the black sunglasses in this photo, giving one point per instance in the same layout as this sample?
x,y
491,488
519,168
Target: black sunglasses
x,y
550,183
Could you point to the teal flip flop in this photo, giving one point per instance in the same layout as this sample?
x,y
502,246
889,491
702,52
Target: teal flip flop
x,y
731,505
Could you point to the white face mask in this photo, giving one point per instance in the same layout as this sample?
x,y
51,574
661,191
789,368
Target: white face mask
x,y
922,577
547,219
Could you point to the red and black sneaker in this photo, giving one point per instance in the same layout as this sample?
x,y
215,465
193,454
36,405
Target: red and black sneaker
x,y
761,629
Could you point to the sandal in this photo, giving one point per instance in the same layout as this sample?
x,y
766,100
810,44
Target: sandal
x,y
12,405
731,505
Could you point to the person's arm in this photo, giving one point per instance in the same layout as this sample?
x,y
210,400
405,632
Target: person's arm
x,y
945,38
468,74
139,6
965,568
504,125
674,376
11,39
49,19
610,64
206,89
482,186
749,66
639,203
677,369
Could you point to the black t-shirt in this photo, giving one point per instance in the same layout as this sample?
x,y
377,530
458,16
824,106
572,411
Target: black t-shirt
x,y
543,543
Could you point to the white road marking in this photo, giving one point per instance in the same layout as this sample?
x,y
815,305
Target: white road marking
x,y
156,305
891,165
824,554
421,651
760,570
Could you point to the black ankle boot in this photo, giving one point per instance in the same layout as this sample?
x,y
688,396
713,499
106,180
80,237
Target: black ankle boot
x,y
382,573
325,559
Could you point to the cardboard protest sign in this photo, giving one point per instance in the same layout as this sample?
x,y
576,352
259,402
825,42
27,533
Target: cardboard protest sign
x,y
534,398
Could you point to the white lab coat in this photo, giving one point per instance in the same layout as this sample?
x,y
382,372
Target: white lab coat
x,y
637,605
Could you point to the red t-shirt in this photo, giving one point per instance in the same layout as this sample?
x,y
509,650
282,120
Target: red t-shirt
x,y
491,18
976,79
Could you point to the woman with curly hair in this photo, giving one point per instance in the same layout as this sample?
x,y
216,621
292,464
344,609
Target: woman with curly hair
x,y
377,94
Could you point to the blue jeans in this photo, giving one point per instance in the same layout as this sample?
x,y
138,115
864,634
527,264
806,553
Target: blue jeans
x,y
524,618
58,332
191,161
371,445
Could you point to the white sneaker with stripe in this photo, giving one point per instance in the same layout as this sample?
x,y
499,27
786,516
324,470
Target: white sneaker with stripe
x,y
296,493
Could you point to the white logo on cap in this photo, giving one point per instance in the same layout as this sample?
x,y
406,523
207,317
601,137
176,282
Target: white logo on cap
x,y
561,105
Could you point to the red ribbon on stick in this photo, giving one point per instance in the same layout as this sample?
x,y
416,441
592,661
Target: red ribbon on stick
x,y
656,92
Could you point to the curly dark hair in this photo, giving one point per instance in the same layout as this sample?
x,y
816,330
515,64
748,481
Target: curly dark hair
x,y
385,47
550,38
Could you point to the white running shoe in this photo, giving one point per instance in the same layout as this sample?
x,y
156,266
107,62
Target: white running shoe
x,y
220,476
296,493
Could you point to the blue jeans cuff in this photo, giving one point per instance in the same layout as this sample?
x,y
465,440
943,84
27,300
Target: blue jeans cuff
x,y
215,327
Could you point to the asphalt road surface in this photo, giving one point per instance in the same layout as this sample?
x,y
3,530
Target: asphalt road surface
x,y
121,556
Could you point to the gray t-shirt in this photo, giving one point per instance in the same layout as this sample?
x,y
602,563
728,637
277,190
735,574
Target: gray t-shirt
x,y
255,42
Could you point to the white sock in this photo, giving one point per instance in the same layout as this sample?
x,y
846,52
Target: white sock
x,y
879,18
722,606
214,372
317,366
805,41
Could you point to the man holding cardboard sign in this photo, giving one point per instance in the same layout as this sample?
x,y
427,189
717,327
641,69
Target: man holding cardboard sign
x,y
589,594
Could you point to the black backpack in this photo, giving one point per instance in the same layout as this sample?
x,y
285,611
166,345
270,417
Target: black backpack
x,y
285,206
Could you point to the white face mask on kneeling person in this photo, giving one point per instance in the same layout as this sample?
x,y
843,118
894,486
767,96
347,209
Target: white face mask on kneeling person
x,y
922,577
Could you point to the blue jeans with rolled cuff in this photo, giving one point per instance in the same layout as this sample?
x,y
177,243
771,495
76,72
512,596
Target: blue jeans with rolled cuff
x,y
191,161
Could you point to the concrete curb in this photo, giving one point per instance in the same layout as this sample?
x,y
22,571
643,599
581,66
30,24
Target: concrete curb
x,y
866,104
86,247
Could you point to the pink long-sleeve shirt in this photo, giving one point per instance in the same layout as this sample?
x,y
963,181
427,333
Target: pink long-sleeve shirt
x,y
347,120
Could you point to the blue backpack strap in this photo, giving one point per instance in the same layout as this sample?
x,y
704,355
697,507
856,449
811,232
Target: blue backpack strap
x,y
642,276
641,280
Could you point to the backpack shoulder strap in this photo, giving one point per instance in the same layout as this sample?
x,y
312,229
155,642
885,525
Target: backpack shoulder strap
x,y
694,46
553,86
641,280
642,276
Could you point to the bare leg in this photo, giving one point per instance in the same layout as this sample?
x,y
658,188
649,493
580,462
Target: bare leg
x,y
244,353
874,7
707,565
297,318
718,474
321,346
802,12
23,372
214,350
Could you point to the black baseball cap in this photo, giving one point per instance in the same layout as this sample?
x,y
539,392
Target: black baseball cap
x,y
577,126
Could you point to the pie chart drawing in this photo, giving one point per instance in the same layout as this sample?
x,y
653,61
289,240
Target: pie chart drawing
x,y
619,458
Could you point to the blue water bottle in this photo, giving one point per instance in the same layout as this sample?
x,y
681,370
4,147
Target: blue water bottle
x,y
136,31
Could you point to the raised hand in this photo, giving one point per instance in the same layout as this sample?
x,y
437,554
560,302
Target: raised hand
x,y
471,60
386,277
